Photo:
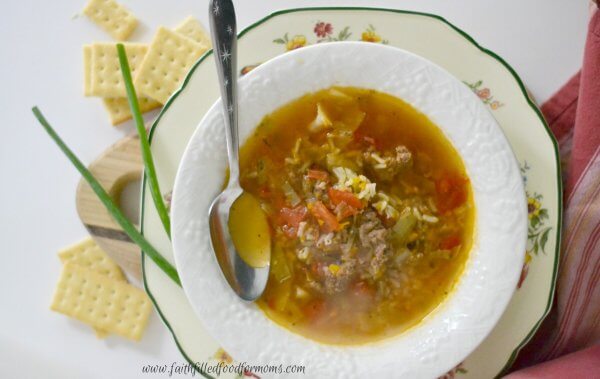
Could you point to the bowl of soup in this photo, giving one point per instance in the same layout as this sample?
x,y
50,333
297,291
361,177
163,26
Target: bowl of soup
x,y
395,209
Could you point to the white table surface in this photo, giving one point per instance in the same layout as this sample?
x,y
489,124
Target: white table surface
x,y
41,64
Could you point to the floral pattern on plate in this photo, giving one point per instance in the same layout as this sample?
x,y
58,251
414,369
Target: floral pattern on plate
x,y
324,32
538,232
484,94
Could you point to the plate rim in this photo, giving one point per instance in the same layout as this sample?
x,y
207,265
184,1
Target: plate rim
x,y
470,39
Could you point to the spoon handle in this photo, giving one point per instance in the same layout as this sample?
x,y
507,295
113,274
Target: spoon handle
x,y
224,38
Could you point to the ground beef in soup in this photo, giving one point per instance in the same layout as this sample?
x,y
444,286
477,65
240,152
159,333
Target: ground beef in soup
x,y
346,255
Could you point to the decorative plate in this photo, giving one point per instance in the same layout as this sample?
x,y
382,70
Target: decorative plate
x,y
454,329
496,84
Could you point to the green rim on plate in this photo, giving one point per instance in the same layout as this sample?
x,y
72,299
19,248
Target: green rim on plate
x,y
490,53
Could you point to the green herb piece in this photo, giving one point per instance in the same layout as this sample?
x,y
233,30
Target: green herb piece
x,y
146,153
108,202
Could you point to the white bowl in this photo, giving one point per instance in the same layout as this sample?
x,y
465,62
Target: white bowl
x,y
447,335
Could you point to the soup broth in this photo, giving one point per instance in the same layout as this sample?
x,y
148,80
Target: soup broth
x,y
370,210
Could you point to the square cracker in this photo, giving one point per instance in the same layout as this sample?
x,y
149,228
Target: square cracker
x,y
111,16
117,107
106,79
88,254
193,29
168,60
119,111
99,301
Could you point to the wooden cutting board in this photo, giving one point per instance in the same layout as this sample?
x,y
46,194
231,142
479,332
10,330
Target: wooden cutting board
x,y
118,166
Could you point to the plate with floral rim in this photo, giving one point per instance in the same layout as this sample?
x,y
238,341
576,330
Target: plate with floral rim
x,y
432,37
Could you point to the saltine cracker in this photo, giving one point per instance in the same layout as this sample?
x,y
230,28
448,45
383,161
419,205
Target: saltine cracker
x,y
193,29
168,60
106,79
103,303
111,16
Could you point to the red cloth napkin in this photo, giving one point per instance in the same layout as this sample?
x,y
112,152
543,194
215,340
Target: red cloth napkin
x,y
583,364
573,114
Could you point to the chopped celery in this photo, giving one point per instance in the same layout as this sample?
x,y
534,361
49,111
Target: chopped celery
x,y
282,296
403,227
279,267
290,194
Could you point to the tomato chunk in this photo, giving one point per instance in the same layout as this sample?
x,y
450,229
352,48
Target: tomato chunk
x,y
363,289
337,197
293,216
362,138
328,221
317,174
449,243
264,192
345,211
314,310
451,193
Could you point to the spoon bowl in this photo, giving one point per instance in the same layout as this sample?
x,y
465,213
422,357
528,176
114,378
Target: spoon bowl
x,y
247,282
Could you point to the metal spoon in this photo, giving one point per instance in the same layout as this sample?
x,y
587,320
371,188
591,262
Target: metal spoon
x,y
247,282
